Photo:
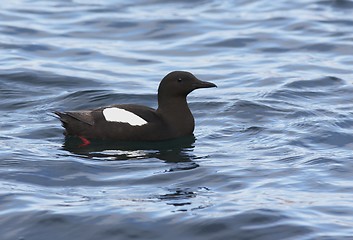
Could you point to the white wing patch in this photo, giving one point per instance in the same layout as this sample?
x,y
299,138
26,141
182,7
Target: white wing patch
x,y
121,115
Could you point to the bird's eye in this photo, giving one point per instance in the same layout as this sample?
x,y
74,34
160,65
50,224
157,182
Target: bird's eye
x,y
179,79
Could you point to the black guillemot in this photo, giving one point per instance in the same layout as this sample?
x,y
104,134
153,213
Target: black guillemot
x,y
130,122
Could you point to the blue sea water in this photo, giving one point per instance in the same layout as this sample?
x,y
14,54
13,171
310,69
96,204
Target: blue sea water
x,y
272,153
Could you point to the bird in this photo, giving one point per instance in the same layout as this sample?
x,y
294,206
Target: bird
x,y
131,122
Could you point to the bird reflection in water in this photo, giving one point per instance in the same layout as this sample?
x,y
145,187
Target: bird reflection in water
x,y
176,150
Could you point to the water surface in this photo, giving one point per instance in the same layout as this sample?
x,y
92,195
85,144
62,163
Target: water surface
x,y
272,153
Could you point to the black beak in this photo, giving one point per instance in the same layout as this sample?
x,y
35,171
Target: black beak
x,y
203,84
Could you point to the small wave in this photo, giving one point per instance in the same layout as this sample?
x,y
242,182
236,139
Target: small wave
x,y
340,4
234,43
254,108
317,84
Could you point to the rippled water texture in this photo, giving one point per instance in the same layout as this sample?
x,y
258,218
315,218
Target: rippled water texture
x,y
272,153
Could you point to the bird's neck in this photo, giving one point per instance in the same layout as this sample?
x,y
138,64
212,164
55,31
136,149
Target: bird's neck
x,y
171,103
175,112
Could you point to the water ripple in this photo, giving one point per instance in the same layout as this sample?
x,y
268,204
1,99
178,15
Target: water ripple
x,y
271,157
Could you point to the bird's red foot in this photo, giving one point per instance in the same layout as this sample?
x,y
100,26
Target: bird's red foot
x,y
85,141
